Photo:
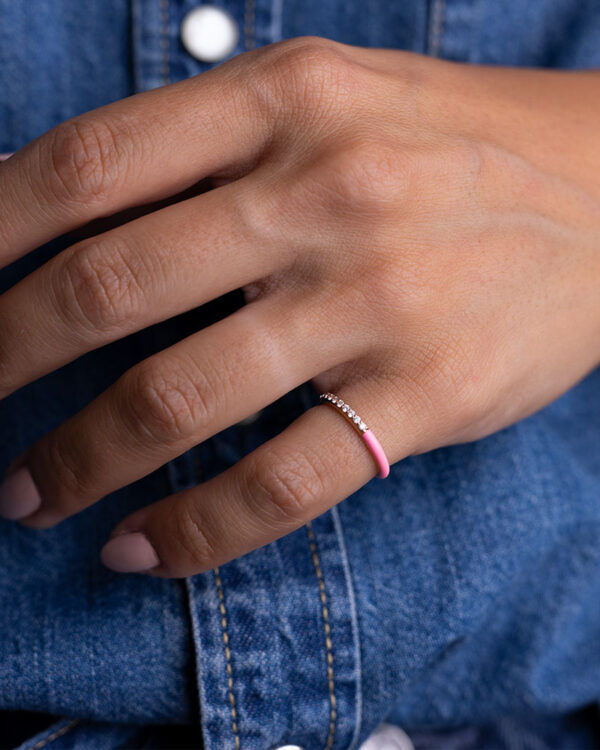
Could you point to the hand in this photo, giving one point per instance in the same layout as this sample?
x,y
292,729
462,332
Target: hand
x,y
420,237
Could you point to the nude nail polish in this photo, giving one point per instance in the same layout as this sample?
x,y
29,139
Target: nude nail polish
x,y
19,497
129,553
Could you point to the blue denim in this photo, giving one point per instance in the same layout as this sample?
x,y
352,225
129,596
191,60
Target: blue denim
x,y
462,593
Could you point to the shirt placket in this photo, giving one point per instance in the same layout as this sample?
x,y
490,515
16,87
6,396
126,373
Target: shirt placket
x,y
275,632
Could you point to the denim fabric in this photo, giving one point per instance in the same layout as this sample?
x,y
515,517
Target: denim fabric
x,y
462,590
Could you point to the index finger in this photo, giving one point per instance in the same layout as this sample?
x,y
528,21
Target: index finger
x,y
134,151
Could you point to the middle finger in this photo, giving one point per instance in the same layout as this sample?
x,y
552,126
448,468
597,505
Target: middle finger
x,y
141,273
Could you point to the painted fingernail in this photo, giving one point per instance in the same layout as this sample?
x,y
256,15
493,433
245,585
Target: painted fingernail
x,y
129,553
19,497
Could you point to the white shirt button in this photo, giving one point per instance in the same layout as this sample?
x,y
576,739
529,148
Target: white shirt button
x,y
387,737
209,33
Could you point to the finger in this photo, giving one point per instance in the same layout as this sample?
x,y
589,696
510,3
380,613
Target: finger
x,y
313,464
133,151
128,278
169,402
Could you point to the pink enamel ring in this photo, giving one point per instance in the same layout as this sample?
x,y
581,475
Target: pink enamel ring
x,y
367,435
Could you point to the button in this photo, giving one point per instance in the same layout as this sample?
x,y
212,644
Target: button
x,y
388,737
209,33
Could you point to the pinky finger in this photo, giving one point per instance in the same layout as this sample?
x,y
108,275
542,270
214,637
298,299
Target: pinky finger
x,y
313,464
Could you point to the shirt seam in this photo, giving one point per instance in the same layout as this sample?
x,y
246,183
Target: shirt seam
x,y
197,639
436,28
165,42
228,667
337,525
328,641
249,24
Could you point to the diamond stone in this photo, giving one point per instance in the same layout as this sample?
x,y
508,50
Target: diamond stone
x,y
351,413
340,402
362,426
356,419
345,408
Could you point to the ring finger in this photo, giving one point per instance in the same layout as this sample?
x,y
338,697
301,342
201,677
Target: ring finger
x,y
172,401
313,464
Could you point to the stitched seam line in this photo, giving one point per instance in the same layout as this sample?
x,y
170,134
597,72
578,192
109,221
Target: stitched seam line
x,y
165,42
249,23
327,628
54,736
437,23
337,523
223,610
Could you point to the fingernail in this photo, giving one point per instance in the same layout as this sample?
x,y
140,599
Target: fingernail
x,y
129,553
19,496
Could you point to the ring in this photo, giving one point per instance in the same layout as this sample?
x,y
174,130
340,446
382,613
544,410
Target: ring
x,y
367,435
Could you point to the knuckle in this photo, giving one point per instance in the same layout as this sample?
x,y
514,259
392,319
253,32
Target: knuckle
x,y
69,477
167,403
191,532
461,167
362,179
285,488
309,74
84,159
262,220
103,287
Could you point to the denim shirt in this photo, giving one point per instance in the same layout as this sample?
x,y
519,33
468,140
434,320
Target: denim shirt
x,y
463,588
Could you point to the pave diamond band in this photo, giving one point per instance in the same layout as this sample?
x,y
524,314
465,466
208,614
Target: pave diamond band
x,y
367,435
345,409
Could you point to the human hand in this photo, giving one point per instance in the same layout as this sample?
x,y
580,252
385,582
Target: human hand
x,y
419,237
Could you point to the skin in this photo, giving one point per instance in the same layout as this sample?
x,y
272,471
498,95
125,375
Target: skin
x,y
420,237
